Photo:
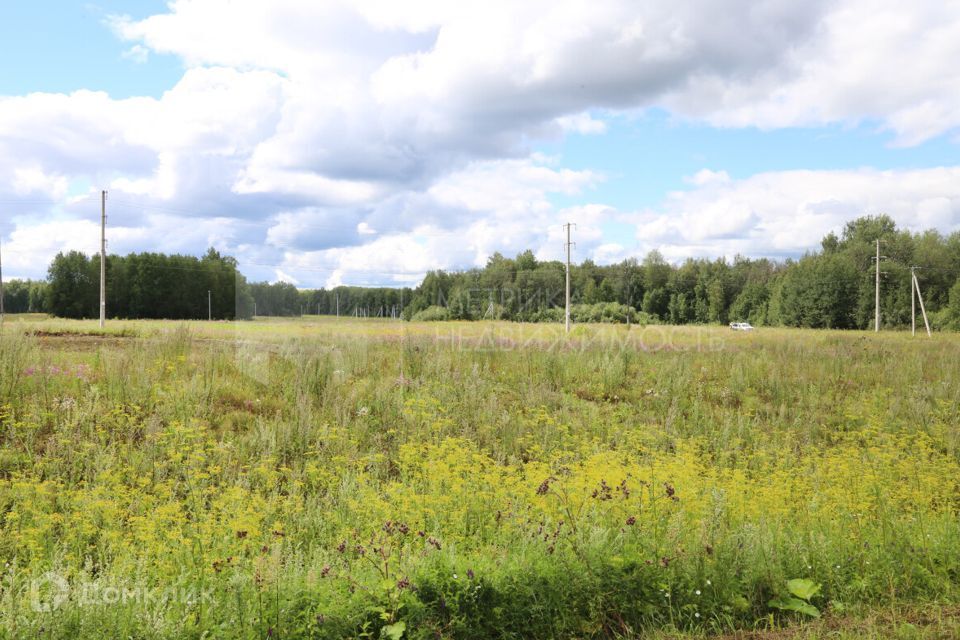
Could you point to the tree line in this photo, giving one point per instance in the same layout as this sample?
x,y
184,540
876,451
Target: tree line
x,y
284,299
832,287
147,285
829,288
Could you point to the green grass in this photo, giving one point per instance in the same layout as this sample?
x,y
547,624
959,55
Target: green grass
x,y
317,477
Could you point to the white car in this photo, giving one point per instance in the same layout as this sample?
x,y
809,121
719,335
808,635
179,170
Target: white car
x,y
741,326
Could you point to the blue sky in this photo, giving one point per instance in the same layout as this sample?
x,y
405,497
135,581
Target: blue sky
x,y
319,141
643,156
63,46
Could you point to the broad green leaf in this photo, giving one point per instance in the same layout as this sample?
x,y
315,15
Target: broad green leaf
x,y
802,588
795,604
807,609
394,631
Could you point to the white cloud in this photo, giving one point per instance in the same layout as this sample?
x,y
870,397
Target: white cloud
x,y
30,247
611,252
868,60
508,186
706,176
284,277
787,213
34,180
138,54
582,123
337,135
465,217
33,242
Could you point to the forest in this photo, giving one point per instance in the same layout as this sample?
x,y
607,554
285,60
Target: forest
x,y
142,285
832,287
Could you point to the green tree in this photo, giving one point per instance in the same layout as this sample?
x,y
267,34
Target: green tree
x,y
72,291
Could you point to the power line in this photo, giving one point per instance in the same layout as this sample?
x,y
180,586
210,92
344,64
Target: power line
x,y
138,206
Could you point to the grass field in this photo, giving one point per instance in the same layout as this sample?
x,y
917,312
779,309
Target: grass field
x,y
362,478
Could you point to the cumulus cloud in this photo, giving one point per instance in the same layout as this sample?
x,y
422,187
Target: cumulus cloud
x,y
582,123
786,213
372,141
464,218
138,54
31,180
867,61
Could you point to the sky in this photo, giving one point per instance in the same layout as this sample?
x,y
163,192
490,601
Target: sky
x,y
327,142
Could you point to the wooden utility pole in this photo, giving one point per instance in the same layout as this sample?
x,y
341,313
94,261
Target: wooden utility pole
x,y
913,302
103,258
566,313
916,284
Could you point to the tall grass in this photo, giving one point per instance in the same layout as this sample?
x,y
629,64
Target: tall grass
x,y
356,479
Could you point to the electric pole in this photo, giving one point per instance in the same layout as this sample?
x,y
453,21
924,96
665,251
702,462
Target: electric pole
x,y
916,285
103,258
876,312
913,302
566,314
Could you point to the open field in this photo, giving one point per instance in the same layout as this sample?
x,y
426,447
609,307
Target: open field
x,y
363,478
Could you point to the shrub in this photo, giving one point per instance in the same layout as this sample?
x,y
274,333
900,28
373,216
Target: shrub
x,y
432,313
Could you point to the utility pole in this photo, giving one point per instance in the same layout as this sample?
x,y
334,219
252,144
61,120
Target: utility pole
x,y
103,258
566,313
876,312
913,302
209,305
916,284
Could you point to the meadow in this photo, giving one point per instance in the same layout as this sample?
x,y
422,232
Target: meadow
x,y
323,478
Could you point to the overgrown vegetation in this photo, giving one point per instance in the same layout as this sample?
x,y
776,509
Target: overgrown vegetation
x,y
470,480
